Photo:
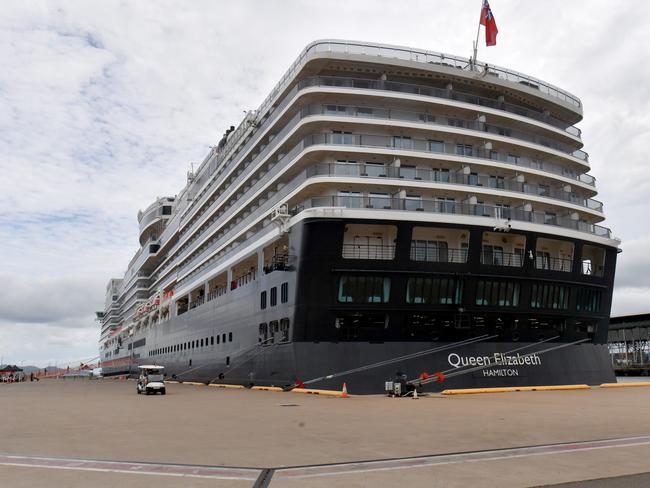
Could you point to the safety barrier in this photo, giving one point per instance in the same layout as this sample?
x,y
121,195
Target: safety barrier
x,y
625,385
267,388
223,385
508,389
309,391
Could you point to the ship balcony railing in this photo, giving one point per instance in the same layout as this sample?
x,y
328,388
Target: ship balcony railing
x,y
498,258
368,251
553,264
451,207
436,254
429,91
426,146
198,302
438,147
450,177
364,84
220,291
279,262
343,111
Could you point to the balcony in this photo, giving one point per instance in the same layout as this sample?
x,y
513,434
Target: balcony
x,y
482,128
436,147
437,254
499,258
388,171
450,207
368,251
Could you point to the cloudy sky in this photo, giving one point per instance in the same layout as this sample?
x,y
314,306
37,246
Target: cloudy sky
x,y
105,104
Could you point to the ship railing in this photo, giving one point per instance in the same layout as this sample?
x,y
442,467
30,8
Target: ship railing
x,y
368,251
389,171
366,84
279,262
429,91
368,112
553,263
439,147
433,253
499,258
370,84
443,206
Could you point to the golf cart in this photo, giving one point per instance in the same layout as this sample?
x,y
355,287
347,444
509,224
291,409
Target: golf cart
x,y
151,380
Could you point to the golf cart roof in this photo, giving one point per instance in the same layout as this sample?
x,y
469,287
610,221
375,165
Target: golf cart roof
x,y
151,366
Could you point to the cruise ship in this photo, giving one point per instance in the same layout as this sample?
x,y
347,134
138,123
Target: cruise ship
x,y
385,211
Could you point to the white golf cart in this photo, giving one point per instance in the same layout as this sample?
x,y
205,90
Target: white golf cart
x,y
151,380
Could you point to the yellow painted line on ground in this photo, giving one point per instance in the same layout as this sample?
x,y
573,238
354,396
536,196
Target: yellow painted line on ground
x,y
219,385
192,383
624,385
267,388
508,389
309,391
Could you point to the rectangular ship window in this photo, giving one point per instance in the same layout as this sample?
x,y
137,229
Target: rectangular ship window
x,y
364,289
284,330
434,291
549,296
589,300
497,293
274,296
284,293
263,300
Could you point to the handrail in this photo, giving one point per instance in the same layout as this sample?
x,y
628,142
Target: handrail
x,y
452,207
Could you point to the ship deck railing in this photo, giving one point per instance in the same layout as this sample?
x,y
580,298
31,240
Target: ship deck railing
x,y
450,207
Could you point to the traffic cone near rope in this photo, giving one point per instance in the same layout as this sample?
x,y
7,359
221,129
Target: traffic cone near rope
x,y
345,391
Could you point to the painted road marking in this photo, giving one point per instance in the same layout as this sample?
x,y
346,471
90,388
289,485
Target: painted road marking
x,y
442,459
182,470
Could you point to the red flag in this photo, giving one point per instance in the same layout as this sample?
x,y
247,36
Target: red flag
x,y
487,19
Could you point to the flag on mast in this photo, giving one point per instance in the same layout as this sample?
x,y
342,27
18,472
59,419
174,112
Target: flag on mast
x,y
487,19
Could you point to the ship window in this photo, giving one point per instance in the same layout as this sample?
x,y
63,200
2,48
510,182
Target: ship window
x,y
263,333
549,296
212,341
274,296
441,175
589,300
434,291
436,146
201,343
229,336
218,339
513,158
472,179
402,142
273,330
227,360
340,137
284,330
464,149
206,341
501,293
167,210
350,199
263,300
284,293
223,338
364,289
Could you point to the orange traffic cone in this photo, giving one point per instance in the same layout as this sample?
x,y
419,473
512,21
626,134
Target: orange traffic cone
x,y
345,391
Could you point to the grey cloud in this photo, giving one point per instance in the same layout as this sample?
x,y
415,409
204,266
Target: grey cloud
x,y
61,301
